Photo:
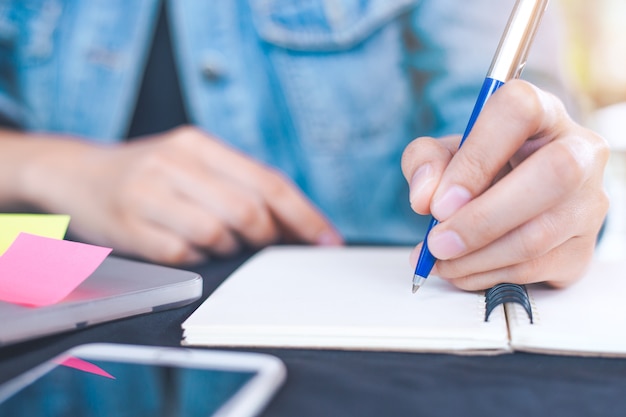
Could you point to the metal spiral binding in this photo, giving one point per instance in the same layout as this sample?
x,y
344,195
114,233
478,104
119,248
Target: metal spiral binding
x,y
507,293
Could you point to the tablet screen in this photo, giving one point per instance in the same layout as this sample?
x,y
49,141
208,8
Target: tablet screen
x,y
104,388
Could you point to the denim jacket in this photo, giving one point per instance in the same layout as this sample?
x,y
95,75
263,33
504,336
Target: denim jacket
x,y
330,92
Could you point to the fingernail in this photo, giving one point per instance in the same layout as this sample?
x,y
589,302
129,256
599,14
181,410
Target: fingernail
x,y
329,239
445,245
453,199
420,179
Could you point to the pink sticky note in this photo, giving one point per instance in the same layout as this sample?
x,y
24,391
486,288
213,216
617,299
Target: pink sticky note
x,y
85,366
39,271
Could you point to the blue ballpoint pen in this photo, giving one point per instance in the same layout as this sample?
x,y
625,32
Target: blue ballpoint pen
x,y
508,63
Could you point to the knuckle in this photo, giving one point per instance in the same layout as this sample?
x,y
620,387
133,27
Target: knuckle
x,y
262,236
246,215
172,252
275,184
257,227
602,146
567,167
209,235
577,264
537,238
252,221
410,151
475,166
469,283
450,269
527,272
603,202
481,219
409,156
417,149
201,233
526,101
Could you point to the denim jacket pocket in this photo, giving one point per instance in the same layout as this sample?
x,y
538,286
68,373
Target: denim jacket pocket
x,y
340,66
322,24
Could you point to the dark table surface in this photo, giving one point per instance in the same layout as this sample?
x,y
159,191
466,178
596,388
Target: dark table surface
x,y
348,383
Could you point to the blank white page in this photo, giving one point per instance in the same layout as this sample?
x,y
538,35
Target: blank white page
x,y
588,318
342,298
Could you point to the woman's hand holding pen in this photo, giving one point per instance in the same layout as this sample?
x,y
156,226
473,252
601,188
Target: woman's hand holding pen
x,y
171,198
521,201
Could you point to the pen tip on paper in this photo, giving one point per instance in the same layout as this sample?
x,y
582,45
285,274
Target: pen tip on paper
x,y
418,280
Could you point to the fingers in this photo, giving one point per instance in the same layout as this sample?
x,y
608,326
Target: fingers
x,y
522,200
423,162
569,163
183,218
559,267
515,113
271,197
208,200
217,199
505,262
178,197
294,214
530,242
543,181
567,171
157,244
298,218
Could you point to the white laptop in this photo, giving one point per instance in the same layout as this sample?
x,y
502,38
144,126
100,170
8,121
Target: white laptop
x,y
118,288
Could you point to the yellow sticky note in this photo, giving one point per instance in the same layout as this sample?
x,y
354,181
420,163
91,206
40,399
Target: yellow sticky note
x,y
48,225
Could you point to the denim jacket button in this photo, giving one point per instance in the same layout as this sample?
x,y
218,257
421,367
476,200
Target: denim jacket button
x,y
213,68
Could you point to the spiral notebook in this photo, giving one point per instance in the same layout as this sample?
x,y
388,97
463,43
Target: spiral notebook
x,y
359,298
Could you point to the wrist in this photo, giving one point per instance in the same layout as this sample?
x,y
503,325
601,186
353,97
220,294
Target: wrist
x,y
36,170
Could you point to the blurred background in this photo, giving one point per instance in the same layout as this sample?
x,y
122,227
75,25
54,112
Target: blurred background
x,y
596,61
596,57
